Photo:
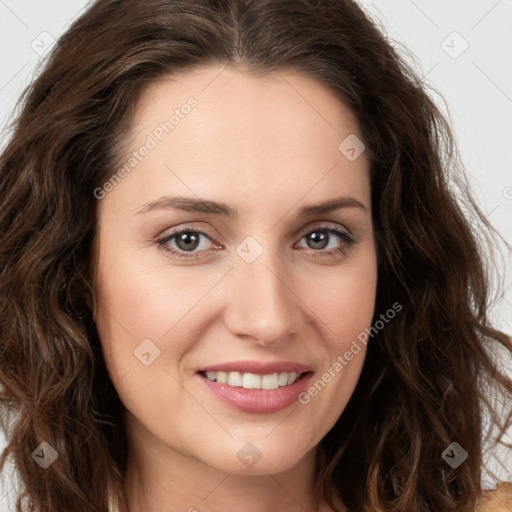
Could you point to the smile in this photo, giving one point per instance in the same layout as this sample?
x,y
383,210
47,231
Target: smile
x,y
253,380
254,387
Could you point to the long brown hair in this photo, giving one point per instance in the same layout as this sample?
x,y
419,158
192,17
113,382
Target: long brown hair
x,y
427,375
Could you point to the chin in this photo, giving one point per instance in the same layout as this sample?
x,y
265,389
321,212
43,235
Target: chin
x,y
259,457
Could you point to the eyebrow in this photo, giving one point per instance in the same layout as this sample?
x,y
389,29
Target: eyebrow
x,y
224,210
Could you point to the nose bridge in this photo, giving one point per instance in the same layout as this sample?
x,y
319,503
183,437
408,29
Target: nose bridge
x,y
263,304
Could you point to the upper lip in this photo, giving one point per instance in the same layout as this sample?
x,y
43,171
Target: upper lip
x,y
258,367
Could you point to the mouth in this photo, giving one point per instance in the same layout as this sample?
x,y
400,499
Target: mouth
x,y
253,387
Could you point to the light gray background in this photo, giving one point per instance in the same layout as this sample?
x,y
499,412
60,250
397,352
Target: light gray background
x,y
476,84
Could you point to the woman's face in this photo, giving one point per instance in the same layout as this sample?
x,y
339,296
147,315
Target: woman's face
x,y
254,291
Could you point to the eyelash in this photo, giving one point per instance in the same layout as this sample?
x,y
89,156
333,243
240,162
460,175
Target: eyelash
x,y
348,240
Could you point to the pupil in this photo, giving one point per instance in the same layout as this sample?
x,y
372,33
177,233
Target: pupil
x,y
318,237
189,240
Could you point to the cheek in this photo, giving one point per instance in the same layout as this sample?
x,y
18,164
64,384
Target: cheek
x,y
134,315
144,300
345,305
344,301
346,313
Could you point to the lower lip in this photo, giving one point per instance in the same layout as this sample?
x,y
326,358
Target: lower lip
x,y
258,400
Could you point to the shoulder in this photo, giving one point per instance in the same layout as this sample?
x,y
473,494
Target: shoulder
x,y
498,500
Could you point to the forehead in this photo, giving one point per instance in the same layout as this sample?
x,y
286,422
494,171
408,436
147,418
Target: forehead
x,y
237,99
216,131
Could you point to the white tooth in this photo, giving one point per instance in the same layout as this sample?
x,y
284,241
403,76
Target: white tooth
x,y
222,377
292,377
251,381
211,375
283,379
234,379
269,381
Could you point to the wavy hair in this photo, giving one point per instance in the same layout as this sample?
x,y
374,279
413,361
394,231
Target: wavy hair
x,y
428,376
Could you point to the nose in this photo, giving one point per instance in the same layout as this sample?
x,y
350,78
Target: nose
x,y
263,305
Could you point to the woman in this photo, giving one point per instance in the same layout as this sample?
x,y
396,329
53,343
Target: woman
x,y
233,272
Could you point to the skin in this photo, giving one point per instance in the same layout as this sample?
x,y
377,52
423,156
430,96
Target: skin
x,y
267,146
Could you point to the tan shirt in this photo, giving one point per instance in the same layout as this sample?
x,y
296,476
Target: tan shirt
x,y
498,500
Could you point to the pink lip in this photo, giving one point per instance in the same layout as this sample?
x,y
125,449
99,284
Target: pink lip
x,y
257,400
258,367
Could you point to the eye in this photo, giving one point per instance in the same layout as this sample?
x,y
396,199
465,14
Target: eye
x,y
190,243
327,241
186,241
